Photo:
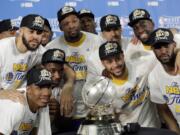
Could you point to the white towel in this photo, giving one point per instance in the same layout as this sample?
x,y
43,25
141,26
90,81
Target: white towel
x,y
44,123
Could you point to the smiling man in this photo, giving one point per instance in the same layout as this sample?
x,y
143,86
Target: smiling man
x,y
164,82
19,54
21,117
125,76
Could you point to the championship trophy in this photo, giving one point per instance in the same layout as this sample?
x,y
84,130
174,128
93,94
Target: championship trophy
x,y
99,94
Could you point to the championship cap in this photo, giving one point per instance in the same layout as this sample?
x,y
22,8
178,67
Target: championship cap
x,y
39,77
161,35
53,55
6,25
109,48
138,14
109,21
33,21
85,12
65,11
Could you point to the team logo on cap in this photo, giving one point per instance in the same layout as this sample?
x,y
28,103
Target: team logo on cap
x,y
58,54
45,75
111,19
110,47
13,24
38,21
85,11
160,34
138,14
66,10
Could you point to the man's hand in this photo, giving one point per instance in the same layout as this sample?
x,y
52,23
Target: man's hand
x,y
53,108
66,100
13,95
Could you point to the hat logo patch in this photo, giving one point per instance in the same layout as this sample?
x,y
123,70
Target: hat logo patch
x,y
160,34
111,20
38,21
66,10
84,11
138,14
58,55
45,75
13,24
110,47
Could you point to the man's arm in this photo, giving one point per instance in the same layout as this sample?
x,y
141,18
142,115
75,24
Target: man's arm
x,y
168,117
13,95
66,98
177,62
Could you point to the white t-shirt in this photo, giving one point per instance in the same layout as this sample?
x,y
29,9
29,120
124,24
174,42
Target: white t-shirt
x,y
14,65
56,93
16,118
137,105
76,55
165,89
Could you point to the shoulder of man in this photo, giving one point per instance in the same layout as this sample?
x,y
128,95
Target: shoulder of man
x,y
15,96
92,36
55,43
6,42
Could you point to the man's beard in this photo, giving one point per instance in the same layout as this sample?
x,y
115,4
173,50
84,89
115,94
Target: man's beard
x,y
74,37
148,41
170,61
25,42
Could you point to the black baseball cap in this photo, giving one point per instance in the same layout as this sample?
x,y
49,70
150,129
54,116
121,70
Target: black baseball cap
x,y
85,12
33,21
65,11
109,48
46,23
6,25
138,14
161,35
53,55
109,21
39,77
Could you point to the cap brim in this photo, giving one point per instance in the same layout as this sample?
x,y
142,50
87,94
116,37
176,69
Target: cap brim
x,y
110,55
162,41
44,83
86,14
135,21
54,61
111,26
65,15
36,28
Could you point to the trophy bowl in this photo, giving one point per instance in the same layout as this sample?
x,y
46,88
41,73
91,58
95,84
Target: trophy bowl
x,y
98,94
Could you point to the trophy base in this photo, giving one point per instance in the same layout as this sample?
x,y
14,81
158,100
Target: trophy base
x,y
100,127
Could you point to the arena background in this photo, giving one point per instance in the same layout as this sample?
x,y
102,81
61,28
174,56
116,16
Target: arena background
x,y
165,13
